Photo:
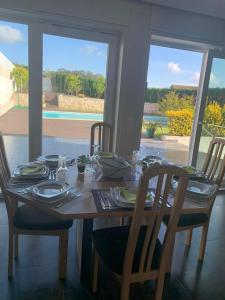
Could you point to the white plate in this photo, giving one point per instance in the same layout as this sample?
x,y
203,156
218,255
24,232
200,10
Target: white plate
x,y
198,188
201,188
123,202
50,190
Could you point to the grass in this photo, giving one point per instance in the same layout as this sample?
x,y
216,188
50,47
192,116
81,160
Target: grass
x,y
164,130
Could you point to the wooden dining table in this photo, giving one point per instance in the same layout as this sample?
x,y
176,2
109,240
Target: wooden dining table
x,y
86,209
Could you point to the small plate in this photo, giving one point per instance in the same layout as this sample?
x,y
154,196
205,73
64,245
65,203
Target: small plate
x,y
49,190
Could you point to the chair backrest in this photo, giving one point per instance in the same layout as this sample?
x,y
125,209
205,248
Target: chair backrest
x,y
162,177
214,164
4,167
101,135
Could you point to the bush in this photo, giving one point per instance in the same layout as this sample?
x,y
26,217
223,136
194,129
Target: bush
x,y
180,121
214,115
173,101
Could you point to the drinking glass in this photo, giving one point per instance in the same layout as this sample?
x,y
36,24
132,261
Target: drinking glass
x,y
135,157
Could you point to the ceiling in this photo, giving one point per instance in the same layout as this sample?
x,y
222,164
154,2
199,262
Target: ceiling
x,y
215,8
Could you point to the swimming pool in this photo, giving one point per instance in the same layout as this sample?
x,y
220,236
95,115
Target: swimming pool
x,y
91,117
71,115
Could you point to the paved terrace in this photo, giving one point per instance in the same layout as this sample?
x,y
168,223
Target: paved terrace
x,y
70,137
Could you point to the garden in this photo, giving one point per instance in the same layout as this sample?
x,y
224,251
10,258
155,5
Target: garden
x,y
179,109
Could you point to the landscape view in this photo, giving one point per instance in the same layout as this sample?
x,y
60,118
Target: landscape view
x,y
74,83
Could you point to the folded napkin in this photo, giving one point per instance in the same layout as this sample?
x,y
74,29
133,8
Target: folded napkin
x,y
32,169
132,196
115,162
129,196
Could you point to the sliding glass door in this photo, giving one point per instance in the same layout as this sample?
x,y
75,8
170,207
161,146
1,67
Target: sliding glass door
x,y
213,124
75,76
170,103
73,85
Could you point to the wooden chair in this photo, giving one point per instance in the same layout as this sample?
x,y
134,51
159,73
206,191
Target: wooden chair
x,y
214,168
28,220
134,253
101,135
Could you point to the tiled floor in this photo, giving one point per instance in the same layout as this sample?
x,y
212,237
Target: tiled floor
x,y
36,270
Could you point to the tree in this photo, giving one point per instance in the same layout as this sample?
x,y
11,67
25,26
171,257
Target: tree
x,y
73,84
20,76
173,101
99,86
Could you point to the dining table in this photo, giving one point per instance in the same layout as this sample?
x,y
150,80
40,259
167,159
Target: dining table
x,y
87,207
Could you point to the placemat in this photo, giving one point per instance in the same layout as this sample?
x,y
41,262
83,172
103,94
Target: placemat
x,y
103,196
104,202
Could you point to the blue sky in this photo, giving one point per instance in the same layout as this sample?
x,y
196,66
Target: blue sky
x,y
167,66
73,54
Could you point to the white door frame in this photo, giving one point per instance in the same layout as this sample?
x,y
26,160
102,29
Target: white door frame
x,y
36,32
201,103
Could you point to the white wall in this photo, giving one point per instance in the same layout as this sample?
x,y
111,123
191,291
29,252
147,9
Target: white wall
x,y
133,22
6,84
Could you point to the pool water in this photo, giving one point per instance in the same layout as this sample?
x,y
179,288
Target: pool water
x,y
91,117
71,115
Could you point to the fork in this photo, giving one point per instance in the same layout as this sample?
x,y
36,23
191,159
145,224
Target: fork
x,y
109,205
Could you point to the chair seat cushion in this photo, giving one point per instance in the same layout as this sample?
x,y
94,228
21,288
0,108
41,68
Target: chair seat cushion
x,y
28,217
111,246
189,219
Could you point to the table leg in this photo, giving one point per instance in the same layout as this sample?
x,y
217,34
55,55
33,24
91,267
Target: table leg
x,y
86,253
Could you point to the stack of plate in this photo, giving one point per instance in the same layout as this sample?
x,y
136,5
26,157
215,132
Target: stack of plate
x,y
30,171
52,160
126,197
114,167
198,190
50,192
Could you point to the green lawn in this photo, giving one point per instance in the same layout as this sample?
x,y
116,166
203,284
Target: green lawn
x,y
159,131
162,131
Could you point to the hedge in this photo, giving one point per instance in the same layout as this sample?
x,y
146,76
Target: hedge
x,y
180,121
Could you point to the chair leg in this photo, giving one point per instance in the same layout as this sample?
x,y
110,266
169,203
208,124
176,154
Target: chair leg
x,y
160,286
170,256
125,290
10,253
16,254
95,272
203,242
189,237
63,249
121,221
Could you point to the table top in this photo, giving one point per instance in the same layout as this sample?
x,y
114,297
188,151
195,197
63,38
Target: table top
x,y
84,206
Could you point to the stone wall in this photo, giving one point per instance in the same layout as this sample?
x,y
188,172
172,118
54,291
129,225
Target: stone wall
x,y
151,108
73,103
